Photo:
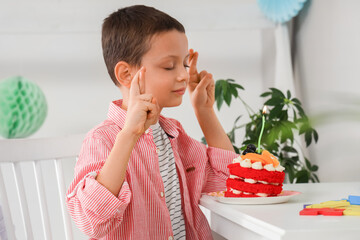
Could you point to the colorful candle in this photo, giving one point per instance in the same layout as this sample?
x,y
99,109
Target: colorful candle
x,y
262,128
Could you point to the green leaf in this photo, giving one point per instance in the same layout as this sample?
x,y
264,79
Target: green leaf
x,y
265,94
225,87
308,138
218,89
295,158
291,173
227,98
286,133
302,176
316,178
304,126
308,164
288,94
275,112
231,135
237,119
300,109
290,124
283,115
237,150
277,92
273,135
295,116
219,102
295,100
289,161
314,168
238,86
316,135
289,149
233,91
225,90
273,102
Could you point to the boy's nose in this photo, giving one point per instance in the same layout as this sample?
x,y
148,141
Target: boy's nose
x,y
183,75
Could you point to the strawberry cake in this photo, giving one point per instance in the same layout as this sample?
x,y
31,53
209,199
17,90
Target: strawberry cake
x,y
255,175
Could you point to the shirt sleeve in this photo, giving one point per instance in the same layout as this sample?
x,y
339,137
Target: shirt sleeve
x,y
93,207
216,168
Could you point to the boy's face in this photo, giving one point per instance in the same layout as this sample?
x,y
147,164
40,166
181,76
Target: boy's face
x,y
166,75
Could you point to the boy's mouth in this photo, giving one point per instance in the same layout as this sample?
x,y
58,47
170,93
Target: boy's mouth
x,y
180,91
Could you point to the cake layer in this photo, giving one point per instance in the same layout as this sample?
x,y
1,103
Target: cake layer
x,y
228,193
253,187
259,175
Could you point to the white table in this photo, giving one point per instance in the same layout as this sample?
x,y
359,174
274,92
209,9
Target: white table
x,y
282,221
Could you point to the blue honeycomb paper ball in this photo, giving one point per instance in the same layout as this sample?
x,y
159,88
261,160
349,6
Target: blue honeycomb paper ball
x,y
23,107
281,11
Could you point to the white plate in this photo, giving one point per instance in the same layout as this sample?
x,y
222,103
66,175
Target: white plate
x,y
284,196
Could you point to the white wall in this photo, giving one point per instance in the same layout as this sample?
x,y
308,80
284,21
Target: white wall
x,y
328,71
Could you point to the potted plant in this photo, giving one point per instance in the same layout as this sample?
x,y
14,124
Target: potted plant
x,y
285,123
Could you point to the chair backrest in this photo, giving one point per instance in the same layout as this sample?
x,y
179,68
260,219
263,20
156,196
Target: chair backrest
x,y
23,159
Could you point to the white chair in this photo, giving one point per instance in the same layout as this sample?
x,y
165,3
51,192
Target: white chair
x,y
22,159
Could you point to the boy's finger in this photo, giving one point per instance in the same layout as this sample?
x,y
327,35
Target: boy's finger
x,y
155,102
146,97
142,80
199,77
154,111
202,74
191,54
193,61
205,82
134,87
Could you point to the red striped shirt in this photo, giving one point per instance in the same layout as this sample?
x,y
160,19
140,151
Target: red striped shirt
x,y
140,211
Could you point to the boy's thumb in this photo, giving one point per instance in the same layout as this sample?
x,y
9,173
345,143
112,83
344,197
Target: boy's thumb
x,y
153,115
155,102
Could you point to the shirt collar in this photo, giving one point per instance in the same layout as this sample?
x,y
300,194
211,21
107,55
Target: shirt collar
x,y
118,116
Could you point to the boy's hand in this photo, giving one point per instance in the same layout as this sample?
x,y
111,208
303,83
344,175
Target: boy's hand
x,y
201,85
142,110
202,94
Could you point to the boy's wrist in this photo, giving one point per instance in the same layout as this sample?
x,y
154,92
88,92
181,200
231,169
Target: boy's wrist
x,y
204,113
128,134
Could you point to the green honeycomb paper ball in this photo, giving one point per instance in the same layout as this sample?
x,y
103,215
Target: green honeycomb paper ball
x,y
23,107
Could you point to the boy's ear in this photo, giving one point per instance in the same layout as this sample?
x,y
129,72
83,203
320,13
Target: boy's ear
x,y
122,73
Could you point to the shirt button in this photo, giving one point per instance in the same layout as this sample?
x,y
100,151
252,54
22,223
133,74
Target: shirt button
x,y
157,150
147,131
161,194
171,238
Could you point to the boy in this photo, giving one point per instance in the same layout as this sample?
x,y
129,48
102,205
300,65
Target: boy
x,y
139,175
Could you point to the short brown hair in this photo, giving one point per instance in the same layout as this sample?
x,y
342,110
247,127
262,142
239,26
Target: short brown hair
x,y
126,34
